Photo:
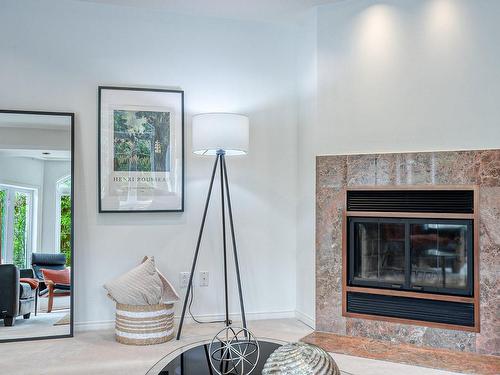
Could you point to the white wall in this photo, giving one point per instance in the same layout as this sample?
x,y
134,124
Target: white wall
x,y
54,55
20,171
307,73
399,75
27,173
408,75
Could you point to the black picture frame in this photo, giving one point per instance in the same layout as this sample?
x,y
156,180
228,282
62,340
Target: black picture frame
x,y
99,147
71,115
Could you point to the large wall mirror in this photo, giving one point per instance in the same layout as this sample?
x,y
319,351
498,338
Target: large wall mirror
x,y
36,225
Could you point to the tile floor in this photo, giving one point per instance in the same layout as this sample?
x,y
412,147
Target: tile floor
x,y
406,354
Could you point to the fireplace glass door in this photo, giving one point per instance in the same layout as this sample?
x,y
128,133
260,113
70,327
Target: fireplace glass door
x,y
439,256
380,252
423,255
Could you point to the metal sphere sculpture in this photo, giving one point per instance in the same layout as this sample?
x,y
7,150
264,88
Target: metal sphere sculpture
x,y
300,359
234,351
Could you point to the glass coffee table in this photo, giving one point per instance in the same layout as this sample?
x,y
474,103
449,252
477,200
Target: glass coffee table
x,y
195,360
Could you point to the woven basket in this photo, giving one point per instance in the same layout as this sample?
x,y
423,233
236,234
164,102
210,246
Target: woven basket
x,y
144,325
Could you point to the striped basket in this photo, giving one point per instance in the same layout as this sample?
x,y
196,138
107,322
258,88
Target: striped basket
x,y
144,325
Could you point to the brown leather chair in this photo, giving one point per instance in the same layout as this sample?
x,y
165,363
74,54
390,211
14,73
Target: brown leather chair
x,y
47,288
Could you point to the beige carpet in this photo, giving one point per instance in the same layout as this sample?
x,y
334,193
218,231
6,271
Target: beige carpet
x,y
64,321
44,324
97,352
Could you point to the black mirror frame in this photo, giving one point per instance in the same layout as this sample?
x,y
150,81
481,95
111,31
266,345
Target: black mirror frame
x,y
71,115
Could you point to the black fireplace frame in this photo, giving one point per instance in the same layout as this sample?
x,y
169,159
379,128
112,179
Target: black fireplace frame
x,y
407,284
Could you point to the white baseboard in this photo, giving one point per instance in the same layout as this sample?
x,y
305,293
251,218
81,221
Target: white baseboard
x,y
96,325
306,319
237,316
109,324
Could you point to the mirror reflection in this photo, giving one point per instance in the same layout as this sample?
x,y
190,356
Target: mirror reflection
x,y
35,225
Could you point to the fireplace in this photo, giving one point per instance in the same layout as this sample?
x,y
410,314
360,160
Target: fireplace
x,y
410,255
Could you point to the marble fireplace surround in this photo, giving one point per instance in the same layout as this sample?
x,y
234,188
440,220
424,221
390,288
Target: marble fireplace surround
x,y
335,173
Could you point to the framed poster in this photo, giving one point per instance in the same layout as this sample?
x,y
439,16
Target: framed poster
x,y
141,150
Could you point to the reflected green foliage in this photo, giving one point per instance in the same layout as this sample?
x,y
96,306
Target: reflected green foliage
x,y
3,217
20,234
141,141
65,245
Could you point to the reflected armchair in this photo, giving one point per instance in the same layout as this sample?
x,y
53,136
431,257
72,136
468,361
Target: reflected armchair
x,y
16,297
50,288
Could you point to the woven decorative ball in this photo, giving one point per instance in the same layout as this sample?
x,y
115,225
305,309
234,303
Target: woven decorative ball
x,y
144,325
300,359
234,351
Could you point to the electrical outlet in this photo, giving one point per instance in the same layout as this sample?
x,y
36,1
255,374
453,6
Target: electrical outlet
x,y
184,279
204,278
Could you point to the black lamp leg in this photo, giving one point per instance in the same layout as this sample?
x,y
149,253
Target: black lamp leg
x,y
226,297
233,238
190,284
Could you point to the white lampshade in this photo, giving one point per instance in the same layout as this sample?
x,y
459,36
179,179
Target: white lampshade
x,y
213,132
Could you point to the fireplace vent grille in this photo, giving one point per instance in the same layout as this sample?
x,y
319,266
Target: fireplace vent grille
x,y
411,308
438,201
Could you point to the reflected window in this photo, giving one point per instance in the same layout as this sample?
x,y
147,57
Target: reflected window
x,y
16,225
3,224
63,217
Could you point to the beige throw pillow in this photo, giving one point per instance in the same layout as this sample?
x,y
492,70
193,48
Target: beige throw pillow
x,y
140,286
169,294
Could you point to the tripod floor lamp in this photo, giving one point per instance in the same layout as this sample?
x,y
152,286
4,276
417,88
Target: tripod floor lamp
x,y
219,135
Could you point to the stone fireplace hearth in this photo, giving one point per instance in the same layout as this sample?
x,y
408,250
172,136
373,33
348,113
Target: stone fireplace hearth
x,y
336,174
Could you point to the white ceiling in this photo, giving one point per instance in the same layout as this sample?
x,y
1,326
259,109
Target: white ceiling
x,y
238,9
